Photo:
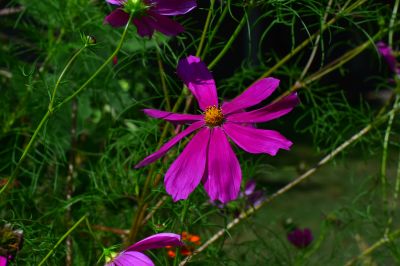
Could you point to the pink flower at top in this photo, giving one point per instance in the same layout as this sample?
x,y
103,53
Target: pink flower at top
x,y
133,255
150,15
208,157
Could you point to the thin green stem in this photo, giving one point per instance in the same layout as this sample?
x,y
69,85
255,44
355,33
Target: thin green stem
x,y
214,31
205,30
25,152
229,43
384,179
392,20
162,78
376,245
60,78
62,239
95,74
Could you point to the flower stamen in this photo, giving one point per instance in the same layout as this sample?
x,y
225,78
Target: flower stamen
x,y
213,116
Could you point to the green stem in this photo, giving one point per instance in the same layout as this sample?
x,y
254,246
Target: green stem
x,y
62,239
379,243
229,43
162,78
25,152
205,30
392,20
95,74
60,78
384,179
214,31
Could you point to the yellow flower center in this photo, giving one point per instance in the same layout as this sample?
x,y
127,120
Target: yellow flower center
x,y
213,116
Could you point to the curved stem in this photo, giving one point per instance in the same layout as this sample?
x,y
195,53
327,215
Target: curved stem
x,y
95,74
60,78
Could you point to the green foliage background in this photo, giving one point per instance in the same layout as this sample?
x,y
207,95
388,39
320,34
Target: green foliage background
x,y
339,98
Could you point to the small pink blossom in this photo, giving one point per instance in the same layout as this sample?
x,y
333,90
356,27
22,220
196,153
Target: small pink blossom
x,y
133,255
300,238
208,157
387,53
150,15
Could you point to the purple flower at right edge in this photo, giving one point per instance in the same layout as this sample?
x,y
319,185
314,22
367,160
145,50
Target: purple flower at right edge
x,y
150,15
208,157
300,238
387,53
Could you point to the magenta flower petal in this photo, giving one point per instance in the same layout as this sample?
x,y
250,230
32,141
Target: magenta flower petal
x,y
131,258
172,7
187,170
116,2
388,55
255,94
268,112
255,140
224,173
157,241
117,18
148,24
167,146
198,79
3,261
143,27
173,117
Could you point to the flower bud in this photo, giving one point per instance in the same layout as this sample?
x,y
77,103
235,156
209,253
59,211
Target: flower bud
x,y
135,7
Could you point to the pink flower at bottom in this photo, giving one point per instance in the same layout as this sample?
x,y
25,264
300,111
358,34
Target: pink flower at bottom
x,y
150,15
208,157
133,256
3,261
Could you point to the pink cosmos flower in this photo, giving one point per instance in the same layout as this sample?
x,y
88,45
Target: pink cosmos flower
x,y
387,53
208,157
133,256
150,15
